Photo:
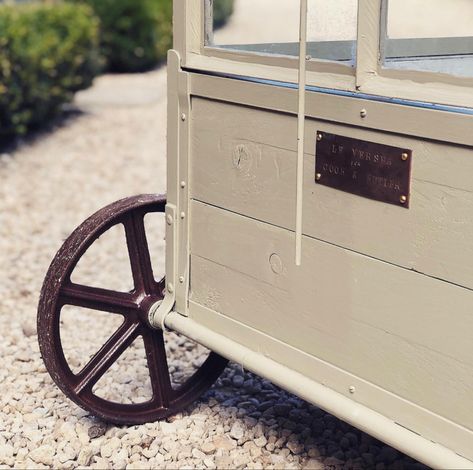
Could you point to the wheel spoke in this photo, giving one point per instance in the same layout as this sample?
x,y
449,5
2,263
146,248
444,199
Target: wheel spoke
x,y
138,251
97,299
106,356
158,367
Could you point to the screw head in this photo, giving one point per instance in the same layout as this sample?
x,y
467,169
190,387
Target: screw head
x,y
403,199
183,184
363,113
183,215
319,137
405,156
318,177
181,279
352,389
183,117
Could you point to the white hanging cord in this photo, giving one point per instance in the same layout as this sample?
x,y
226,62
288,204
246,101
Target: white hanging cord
x,y
301,128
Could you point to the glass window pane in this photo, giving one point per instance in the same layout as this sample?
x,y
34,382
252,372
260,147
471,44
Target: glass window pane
x,y
430,35
332,28
265,26
272,27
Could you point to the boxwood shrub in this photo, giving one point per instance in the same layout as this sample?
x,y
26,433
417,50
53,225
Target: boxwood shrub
x,y
136,34
223,9
133,32
47,52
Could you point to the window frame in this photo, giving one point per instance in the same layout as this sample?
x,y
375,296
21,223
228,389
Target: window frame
x,y
373,78
368,75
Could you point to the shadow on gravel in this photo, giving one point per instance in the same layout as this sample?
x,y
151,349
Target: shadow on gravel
x,y
69,114
260,413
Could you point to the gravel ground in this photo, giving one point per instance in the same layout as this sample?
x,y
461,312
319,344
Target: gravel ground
x,y
111,146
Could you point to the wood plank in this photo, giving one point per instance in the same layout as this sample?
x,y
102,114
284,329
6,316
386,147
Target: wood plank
x,y
244,160
400,330
415,121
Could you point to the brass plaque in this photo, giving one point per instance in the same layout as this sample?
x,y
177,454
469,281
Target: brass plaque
x,y
368,169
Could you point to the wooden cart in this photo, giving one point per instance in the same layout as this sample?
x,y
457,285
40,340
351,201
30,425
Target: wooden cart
x,y
319,226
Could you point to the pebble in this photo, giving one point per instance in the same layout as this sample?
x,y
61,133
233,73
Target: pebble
x,y
295,447
237,431
85,456
208,448
43,454
97,430
313,464
29,329
238,380
224,443
110,447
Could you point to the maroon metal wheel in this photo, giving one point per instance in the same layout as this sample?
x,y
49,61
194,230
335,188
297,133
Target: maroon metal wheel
x,y
58,291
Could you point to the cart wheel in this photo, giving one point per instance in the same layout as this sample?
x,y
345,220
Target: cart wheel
x,y
58,290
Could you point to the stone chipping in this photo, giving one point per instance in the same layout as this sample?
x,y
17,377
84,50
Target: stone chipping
x,y
111,145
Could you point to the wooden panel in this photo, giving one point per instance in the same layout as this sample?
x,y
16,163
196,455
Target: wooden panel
x,y
404,413
244,160
400,330
415,121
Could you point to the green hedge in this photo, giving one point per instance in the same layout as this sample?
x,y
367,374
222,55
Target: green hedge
x,y
223,9
47,52
136,34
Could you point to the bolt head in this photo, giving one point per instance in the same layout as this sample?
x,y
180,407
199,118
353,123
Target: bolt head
x,y
319,137
183,117
363,113
403,199
318,177
352,389
181,279
405,156
183,184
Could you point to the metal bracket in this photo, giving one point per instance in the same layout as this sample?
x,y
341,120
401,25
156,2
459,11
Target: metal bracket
x,y
162,308
179,110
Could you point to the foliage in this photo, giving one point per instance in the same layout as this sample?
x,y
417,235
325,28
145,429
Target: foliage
x,y
223,9
133,32
136,34
47,52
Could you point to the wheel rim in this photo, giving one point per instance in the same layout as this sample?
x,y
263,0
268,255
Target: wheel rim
x,y
58,291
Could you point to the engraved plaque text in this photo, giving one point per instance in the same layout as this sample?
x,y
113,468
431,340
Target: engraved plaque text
x,y
368,169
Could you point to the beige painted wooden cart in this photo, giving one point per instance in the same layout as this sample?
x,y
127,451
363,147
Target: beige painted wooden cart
x,y
319,219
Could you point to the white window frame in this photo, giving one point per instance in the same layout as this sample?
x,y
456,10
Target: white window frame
x,y
368,76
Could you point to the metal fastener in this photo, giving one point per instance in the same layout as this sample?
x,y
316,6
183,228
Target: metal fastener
x,y
405,156
318,177
170,288
363,113
181,279
352,389
403,199
319,137
183,117
308,57
183,215
169,219
183,184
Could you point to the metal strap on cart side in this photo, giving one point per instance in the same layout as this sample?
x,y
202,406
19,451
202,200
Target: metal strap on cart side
x,y
301,128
